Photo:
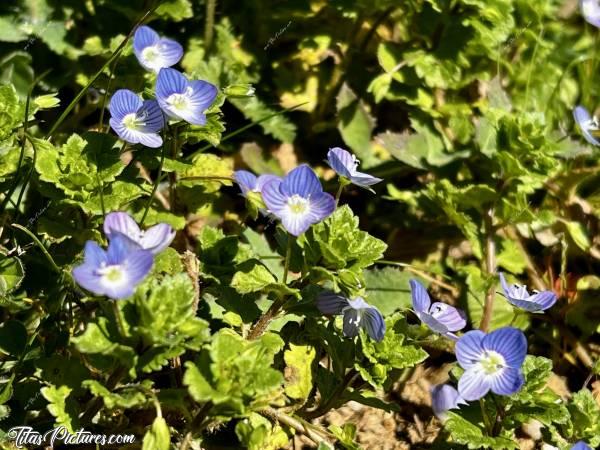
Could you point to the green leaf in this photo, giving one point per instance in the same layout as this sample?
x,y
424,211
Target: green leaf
x,y
11,274
158,437
388,289
253,278
467,433
61,406
257,433
355,125
129,397
298,372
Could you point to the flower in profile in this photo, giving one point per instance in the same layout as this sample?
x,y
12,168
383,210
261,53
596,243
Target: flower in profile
x,y
586,123
154,52
491,361
115,272
345,164
440,317
298,200
135,120
155,239
443,398
581,446
519,297
591,11
357,314
248,182
182,99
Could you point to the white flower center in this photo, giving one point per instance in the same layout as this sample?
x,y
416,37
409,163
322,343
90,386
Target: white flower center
x,y
297,204
111,274
179,101
132,122
492,362
150,54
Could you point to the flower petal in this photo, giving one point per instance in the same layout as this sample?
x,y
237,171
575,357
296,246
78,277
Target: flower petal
x,y
341,161
591,12
373,322
420,297
151,140
331,303
581,446
264,179
301,181
144,37
364,179
119,247
85,276
510,342
93,254
507,381
351,323
273,198
432,323
168,82
295,223
123,223
584,121
137,265
443,398
543,300
245,180
167,53
321,206
469,348
152,116
473,384
203,94
124,102
452,318
157,238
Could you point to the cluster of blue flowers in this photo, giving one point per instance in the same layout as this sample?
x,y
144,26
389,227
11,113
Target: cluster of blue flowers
x,y
139,121
492,362
117,271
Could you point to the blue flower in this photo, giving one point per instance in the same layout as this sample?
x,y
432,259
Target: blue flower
x,y
357,314
298,200
519,297
440,317
154,52
443,398
581,446
591,11
135,120
587,124
491,362
248,182
182,99
115,272
155,239
345,164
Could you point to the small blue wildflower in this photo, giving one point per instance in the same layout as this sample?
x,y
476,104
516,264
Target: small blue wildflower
x,y
115,272
154,52
357,314
444,398
491,362
155,239
248,182
440,317
345,164
182,99
581,446
135,120
298,200
587,124
519,297
591,11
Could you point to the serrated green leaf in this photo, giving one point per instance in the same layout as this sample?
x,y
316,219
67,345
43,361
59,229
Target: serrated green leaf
x,y
298,373
158,437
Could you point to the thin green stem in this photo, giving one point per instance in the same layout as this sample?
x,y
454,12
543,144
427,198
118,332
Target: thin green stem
x,y
288,256
486,419
339,194
209,24
535,49
156,182
490,266
118,318
39,244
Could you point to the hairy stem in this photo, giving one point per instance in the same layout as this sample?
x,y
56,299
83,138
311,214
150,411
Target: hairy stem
x,y
209,26
490,265
301,426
